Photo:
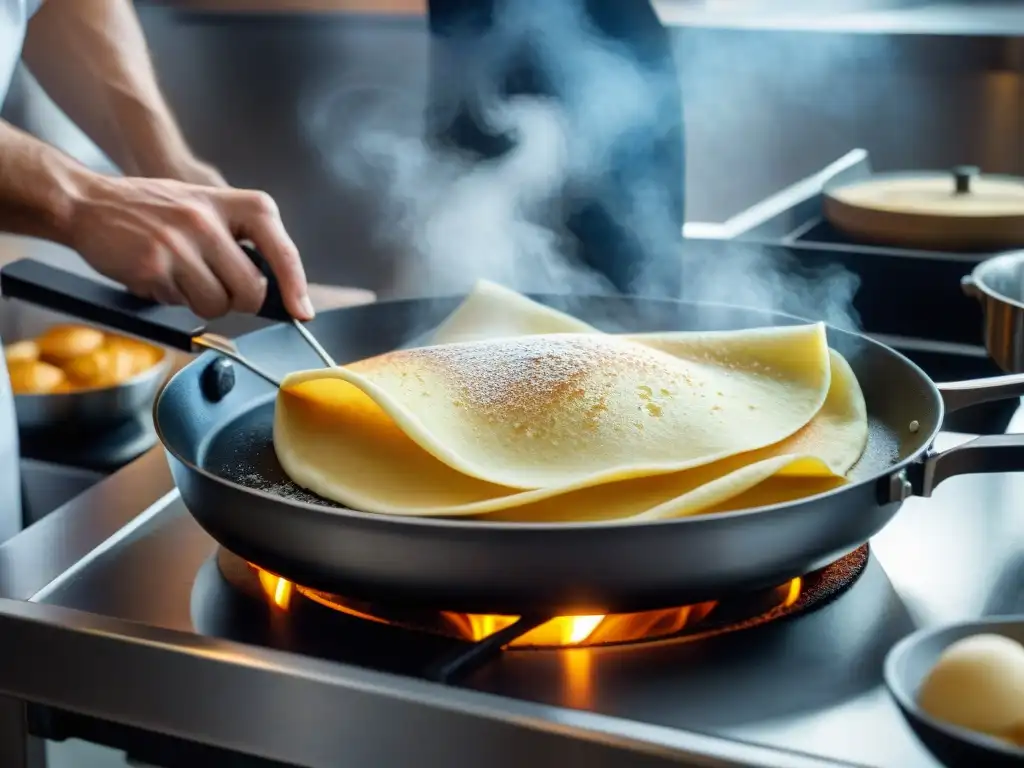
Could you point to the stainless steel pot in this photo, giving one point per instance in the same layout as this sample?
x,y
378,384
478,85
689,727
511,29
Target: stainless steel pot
x,y
998,283
91,408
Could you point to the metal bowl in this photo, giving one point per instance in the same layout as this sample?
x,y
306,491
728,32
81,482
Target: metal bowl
x,y
906,667
998,283
103,406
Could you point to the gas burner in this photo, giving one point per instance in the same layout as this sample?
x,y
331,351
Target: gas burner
x,y
684,623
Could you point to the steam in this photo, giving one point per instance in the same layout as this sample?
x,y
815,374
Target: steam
x,y
457,219
774,280
461,220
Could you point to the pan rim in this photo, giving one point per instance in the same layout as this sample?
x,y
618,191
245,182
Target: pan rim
x,y
472,524
981,277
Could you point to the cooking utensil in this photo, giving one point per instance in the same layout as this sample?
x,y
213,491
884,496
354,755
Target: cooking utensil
x,y
998,283
906,667
961,210
215,421
273,304
114,405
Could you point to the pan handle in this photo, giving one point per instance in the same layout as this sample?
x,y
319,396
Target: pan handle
x,y
963,394
970,287
982,455
89,299
986,454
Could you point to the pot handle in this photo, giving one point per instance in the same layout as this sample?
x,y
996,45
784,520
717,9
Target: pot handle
x,y
982,455
986,454
969,287
89,299
957,395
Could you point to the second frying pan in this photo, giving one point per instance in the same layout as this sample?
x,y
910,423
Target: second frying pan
x,y
215,421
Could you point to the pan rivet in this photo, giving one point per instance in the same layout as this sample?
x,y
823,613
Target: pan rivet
x,y
915,425
217,380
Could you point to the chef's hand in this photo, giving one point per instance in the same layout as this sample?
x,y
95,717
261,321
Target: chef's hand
x,y
176,243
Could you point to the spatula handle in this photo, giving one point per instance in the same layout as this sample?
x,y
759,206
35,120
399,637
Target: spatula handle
x,y
94,301
273,304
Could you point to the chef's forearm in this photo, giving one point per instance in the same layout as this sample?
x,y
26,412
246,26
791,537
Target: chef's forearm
x,y
39,186
91,57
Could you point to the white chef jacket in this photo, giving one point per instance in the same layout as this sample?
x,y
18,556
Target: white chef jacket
x,y
14,15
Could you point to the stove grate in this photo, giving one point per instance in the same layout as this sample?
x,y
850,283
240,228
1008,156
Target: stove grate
x,y
460,662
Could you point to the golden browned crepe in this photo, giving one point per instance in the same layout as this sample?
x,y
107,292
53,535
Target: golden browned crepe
x,y
562,409
389,473
574,425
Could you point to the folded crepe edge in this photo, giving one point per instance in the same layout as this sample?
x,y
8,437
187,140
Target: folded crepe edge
x,y
485,291
692,502
706,496
731,485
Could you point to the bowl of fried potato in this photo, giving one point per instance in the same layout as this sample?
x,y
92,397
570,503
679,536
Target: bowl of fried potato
x,y
82,374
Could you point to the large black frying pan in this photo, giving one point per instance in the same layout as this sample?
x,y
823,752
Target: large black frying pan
x,y
215,421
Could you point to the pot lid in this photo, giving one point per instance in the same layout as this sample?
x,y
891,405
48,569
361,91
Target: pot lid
x,y
958,209
962,192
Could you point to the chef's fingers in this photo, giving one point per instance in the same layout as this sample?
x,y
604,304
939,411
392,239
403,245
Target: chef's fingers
x,y
245,286
254,216
193,278
167,292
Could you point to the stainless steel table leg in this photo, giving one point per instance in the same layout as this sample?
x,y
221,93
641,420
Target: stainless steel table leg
x,y
18,749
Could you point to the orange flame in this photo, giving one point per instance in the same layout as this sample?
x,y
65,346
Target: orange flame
x,y
278,590
561,632
793,592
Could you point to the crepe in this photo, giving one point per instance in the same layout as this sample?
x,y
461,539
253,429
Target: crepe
x,y
492,311
811,461
560,410
378,467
